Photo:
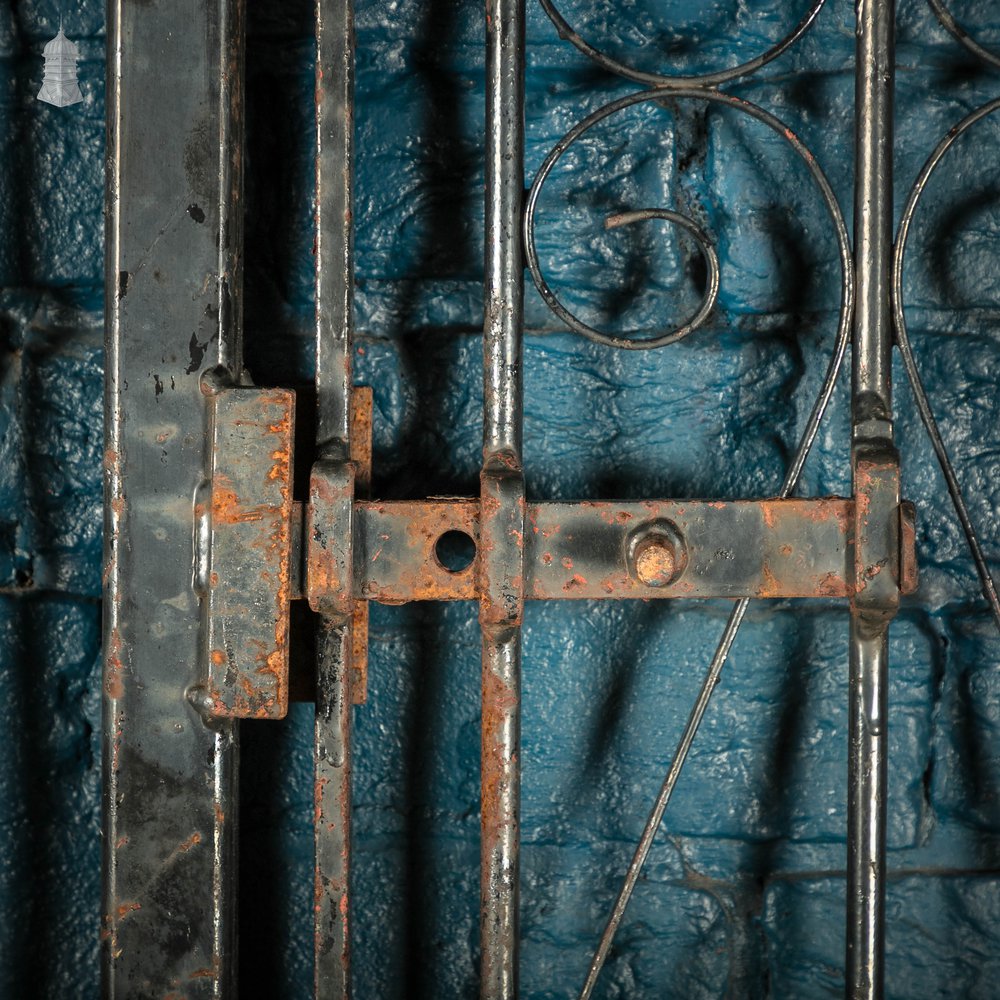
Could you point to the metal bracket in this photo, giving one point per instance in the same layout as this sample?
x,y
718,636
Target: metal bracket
x,y
880,552
357,551
243,519
329,536
648,549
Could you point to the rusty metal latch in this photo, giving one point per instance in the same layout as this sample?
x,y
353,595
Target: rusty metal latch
x,y
258,550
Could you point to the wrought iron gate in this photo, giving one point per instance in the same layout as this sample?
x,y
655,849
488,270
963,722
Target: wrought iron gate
x,y
207,544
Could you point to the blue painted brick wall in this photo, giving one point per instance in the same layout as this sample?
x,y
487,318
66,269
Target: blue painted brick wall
x,y
743,895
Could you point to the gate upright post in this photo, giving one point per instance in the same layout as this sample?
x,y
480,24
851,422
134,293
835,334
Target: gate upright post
x,y
875,469
501,544
330,522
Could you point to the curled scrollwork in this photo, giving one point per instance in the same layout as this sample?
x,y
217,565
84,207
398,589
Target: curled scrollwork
x,y
631,342
634,341
948,21
716,79
959,33
909,361
702,87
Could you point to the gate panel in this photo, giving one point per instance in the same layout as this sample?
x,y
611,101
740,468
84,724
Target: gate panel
x,y
339,550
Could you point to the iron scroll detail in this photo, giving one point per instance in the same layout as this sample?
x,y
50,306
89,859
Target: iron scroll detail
x,y
662,339
716,79
948,22
901,332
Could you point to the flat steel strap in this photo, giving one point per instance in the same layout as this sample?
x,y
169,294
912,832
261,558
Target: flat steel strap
x,y
247,584
736,549
762,549
173,306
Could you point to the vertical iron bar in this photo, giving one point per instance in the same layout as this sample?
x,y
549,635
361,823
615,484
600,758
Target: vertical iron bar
x,y
504,256
334,329
332,754
866,812
876,496
334,261
501,795
173,292
875,80
502,520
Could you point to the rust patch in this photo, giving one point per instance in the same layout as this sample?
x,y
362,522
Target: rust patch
x,y
831,585
362,420
655,563
770,586
359,653
768,512
191,841
228,509
909,575
499,703
607,513
114,674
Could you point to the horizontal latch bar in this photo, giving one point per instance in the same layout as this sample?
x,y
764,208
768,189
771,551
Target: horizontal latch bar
x,y
663,548
406,551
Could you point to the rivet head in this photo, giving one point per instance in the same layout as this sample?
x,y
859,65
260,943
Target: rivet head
x,y
657,555
655,562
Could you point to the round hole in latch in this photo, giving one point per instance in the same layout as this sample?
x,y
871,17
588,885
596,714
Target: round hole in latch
x,y
455,551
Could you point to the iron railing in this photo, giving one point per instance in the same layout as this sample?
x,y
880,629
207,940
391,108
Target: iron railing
x,y
205,546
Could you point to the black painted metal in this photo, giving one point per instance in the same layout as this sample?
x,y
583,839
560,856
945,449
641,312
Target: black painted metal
x,y
334,269
875,466
502,526
180,420
175,143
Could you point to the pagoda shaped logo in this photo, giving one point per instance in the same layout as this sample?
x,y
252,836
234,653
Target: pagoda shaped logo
x,y
59,84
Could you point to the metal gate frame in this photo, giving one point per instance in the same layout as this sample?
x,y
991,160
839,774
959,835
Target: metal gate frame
x,y
206,545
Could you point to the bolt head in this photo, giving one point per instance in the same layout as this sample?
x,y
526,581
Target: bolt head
x,y
657,555
655,562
